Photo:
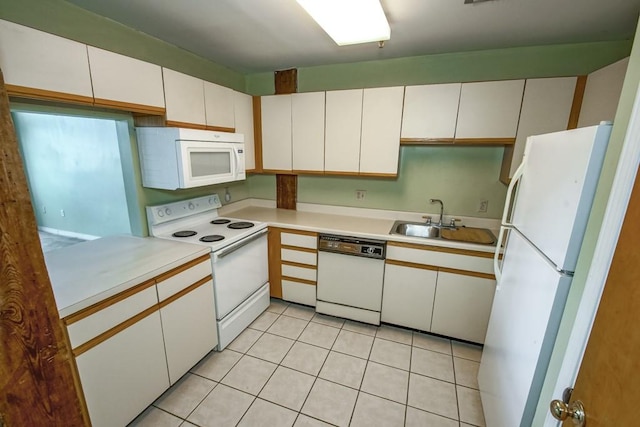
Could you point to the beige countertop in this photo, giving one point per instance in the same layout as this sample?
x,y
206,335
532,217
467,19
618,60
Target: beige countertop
x,y
358,226
92,271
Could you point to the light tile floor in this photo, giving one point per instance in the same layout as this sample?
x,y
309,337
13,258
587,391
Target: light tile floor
x,y
293,367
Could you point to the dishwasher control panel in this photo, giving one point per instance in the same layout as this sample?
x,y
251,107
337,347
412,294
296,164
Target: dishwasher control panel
x,y
352,246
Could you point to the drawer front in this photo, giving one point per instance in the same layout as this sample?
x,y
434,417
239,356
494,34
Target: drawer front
x,y
441,259
309,258
300,240
174,284
299,272
110,316
301,293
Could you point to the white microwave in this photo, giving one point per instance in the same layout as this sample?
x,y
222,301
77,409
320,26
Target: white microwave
x,y
173,158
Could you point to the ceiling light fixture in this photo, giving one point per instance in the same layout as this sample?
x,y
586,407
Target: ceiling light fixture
x,y
349,21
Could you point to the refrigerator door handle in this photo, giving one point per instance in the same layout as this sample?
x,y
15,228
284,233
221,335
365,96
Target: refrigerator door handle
x,y
510,190
496,257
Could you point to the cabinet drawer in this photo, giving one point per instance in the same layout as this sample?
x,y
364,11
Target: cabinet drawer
x,y
299,272
309,258
300,240
112,315
301,293
441,259
174,282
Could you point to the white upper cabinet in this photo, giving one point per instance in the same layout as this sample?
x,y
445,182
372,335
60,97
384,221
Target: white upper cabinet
x,y
489,109
184,97
602,93
243,107
119,79
342,131
546,107
218,103
33,59
381,121
276,132
307,121
430,111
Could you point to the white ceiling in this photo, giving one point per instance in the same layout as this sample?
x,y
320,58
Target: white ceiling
x,y
265,35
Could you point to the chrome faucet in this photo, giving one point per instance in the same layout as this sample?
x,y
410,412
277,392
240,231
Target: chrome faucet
x,y
441,209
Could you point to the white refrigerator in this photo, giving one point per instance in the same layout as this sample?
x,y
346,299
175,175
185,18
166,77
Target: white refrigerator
x,y
544,228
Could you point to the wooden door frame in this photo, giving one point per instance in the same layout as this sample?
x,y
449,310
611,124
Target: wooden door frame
x,y
614,216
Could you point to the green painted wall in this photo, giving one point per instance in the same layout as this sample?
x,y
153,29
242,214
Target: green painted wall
x,y
497,64
621,122
67,20
73,165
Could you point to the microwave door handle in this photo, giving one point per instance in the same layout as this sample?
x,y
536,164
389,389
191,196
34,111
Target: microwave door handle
x,y
236,156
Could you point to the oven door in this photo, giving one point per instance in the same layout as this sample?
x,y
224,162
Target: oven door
x,y
239,270
206,163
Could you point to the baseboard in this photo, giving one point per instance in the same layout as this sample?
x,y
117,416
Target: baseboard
x,y
67,233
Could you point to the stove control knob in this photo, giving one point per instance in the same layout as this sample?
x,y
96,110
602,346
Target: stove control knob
x,y
167,211
191,206
160,213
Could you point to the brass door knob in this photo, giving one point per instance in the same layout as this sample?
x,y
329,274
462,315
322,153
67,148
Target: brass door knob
x,y
561,411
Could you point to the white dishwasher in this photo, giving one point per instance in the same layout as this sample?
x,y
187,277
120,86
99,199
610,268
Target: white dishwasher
x,y
350,275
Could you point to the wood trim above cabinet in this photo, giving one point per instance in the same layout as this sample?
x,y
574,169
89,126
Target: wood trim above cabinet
x,y
128,106
378,175
459,141
441,249
426,141
47,95
113,331
307,172
172,123
576,106
86,312
183,267
220,129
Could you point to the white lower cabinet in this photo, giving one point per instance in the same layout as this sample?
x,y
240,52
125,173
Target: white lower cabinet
x,y
439,290
189,328
301,293
462,306
407,299
124,374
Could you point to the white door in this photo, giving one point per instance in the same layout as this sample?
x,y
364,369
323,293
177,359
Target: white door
x,y
555,194
243,113
342,131
238,271
307,123
525,316
184,98
430,111
218,104
276,132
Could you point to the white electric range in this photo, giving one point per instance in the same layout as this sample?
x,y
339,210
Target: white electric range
x,y
238,256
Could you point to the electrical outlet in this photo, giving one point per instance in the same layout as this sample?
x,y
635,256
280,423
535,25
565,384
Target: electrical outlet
x,y
61,212
483,205
360,194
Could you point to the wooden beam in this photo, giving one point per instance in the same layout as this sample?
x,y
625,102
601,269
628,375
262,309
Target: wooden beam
x,y
286,81
39,385
287,190
257,132
576,106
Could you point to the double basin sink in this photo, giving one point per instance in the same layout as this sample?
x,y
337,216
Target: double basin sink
x,y
430,231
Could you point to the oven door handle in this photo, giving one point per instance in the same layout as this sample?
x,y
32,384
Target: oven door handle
x,y
242,243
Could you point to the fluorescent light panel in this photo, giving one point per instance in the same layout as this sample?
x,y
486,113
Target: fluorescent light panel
x,y
349,21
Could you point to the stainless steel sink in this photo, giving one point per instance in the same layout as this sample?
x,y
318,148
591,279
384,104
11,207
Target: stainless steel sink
x,y
431,231
416,229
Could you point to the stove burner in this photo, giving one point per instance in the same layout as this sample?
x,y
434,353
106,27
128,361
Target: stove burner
x,y
186,233
221,221
211,238
240,224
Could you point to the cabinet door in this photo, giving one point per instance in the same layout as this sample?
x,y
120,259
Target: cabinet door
x,y
184,97
381,121
243,107
276,132
546,107
430,111
128,83
407,298
218,104
462,306
602,93
342,131
301,293
307,122
489,109
189,326
42,65
121,376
